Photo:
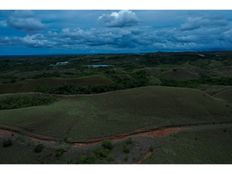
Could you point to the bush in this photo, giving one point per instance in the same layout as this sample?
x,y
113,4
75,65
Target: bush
x,y
141,78
59,152
107,145
126,158
110,159
84,159
129,141
126,149
38,148
101,153
7,143
24,100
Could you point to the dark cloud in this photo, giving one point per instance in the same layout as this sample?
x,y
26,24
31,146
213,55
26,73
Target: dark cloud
x,y
194,23
122,18
24,20
5,41
115,38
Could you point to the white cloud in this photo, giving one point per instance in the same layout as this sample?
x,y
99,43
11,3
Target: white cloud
x,y
36,40
123,18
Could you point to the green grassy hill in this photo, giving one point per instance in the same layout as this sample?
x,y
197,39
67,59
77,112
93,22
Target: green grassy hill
x,y
82,117
225,94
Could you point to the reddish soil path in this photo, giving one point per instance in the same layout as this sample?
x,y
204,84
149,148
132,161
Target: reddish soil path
x,y
162,133
6,131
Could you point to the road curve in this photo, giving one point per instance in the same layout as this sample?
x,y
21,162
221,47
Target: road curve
x,y
156,132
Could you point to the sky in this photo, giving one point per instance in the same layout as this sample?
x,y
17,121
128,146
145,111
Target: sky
x,y
118,31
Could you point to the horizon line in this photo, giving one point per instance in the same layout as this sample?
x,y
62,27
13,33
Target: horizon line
x,y
114,53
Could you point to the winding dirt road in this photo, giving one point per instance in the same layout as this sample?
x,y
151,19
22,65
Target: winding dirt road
x,y
7,131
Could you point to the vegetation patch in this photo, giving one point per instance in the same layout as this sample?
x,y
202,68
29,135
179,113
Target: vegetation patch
x,y
7,143
13,101
107,145
59,152
87,159
129,141
38,148
126,149
101,153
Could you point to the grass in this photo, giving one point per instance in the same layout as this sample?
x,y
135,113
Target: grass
x,y
79,118
195,147
225,94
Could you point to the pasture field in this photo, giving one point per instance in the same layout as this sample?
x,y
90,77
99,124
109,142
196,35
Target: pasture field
x,y
88,116
195,147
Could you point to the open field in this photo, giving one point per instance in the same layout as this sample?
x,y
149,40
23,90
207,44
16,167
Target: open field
x,y
225,94
210,146
148,108
83,117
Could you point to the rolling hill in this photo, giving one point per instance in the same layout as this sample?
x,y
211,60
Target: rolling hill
x,y
82,117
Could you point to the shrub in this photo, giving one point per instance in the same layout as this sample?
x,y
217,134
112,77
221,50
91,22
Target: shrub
x,y
110,159
24,100
59,152
107,145
129,141
101,153
38,148
151,149
126,149
126,158
7,143
84,159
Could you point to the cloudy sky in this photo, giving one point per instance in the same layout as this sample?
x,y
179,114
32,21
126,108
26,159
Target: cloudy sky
x,y
70,32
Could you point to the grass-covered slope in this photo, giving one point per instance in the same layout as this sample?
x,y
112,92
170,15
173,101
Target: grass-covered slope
x,y
89,116
225,94
202,146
